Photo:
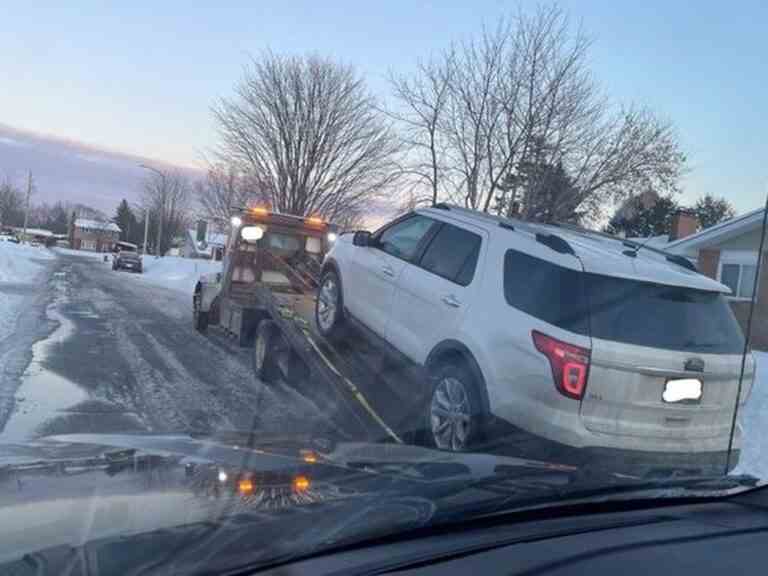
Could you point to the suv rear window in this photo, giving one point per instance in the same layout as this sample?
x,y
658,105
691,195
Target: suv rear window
x,y
621,310
662,316
552,293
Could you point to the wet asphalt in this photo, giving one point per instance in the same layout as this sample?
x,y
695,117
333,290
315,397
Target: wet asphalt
x,y
101,351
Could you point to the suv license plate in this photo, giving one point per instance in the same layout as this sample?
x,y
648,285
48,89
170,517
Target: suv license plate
x,y
683,390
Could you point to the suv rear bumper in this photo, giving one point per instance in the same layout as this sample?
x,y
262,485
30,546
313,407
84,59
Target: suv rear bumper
x,y
503,438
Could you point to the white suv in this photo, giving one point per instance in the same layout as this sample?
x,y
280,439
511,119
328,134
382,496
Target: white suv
x,y
575,337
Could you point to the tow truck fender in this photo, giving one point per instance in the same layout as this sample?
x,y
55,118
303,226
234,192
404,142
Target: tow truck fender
x,y
209,286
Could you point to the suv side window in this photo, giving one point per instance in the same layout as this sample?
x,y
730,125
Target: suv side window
x,y
402,239
453,254
549,292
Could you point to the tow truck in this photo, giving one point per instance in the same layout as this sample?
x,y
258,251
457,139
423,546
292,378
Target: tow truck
x,y
264,299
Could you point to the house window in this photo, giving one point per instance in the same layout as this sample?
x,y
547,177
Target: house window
x,y
740,278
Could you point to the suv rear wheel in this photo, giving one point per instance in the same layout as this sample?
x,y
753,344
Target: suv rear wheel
x,y
329,307
454,415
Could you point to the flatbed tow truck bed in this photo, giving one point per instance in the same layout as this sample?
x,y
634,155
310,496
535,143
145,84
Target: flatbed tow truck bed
x,y
351,372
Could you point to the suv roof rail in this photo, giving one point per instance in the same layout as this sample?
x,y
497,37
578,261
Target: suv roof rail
x,y
441,206
673,258
555,242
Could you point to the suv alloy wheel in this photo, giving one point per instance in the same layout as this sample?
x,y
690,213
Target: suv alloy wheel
x,y
329,307
454,415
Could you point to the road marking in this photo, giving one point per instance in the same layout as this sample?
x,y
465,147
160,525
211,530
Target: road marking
x,y
353,389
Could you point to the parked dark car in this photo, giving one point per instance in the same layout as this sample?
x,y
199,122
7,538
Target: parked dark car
x,y
125,260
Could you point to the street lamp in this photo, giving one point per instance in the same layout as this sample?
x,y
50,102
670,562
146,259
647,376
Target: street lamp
x,y
161,215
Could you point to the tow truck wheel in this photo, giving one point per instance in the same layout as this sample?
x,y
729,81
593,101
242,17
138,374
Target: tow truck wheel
x,y
269,344
200,316
329,307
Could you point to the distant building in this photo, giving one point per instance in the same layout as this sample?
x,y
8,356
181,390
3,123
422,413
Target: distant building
x,y
94,235
39,235
210,248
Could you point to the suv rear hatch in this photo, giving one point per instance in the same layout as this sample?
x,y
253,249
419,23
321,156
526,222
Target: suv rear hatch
x,y
665,360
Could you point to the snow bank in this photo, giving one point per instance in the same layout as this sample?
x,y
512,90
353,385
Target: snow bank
x,y
175,273
17,261
83,253
754,422
19,264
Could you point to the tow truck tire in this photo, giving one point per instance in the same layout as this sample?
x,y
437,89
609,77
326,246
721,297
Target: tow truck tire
x,y
200,317
268,344
329,306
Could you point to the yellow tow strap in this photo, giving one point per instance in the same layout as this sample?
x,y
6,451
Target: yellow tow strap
x,y
352,388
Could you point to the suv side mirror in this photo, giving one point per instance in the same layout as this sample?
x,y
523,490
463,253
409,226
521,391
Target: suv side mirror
x,y
362,238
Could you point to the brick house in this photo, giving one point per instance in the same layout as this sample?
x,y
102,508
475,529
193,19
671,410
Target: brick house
x,y
93,235
728,252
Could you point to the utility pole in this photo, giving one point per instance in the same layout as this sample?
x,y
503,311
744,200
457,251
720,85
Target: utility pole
x,y
146,228
161,215
26,208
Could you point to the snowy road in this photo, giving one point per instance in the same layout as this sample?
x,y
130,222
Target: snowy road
x,y
120,354
102,351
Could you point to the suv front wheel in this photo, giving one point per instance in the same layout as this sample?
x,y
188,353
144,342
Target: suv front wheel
x,y
329,307
454,415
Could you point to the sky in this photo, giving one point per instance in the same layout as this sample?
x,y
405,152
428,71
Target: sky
x,y
140,77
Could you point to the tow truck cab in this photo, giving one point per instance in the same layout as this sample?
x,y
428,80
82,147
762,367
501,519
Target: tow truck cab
x,y
279,252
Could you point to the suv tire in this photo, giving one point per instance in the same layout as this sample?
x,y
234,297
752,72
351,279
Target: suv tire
x,y
267,346
454,415
329,306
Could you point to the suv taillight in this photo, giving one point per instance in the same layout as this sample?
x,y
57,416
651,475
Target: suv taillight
x,y
569,363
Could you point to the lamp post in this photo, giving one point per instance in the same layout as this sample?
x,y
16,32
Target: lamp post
x,y
160,216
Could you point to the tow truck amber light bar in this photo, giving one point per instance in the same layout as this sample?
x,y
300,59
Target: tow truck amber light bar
x,y
260,212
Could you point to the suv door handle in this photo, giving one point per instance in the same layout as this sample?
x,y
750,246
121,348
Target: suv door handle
x,y
451,300
388,270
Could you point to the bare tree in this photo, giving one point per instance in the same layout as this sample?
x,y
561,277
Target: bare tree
x,y
309,135
11,204
423,98
223,190
523,127
167,196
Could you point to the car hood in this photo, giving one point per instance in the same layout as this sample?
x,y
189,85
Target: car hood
x,y
129,256
124,498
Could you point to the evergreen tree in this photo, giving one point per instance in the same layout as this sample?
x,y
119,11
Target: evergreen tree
x,y
637,219
129,226
711,210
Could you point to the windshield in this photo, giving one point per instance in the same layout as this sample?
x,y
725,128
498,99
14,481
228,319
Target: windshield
x,y
271,275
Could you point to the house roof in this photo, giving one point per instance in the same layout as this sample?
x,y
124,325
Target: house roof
x,y
719,232
42,233
96,225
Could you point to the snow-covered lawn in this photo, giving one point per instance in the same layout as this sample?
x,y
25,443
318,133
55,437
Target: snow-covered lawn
x,y
82,253
19,265
754,421
180,274
173,272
